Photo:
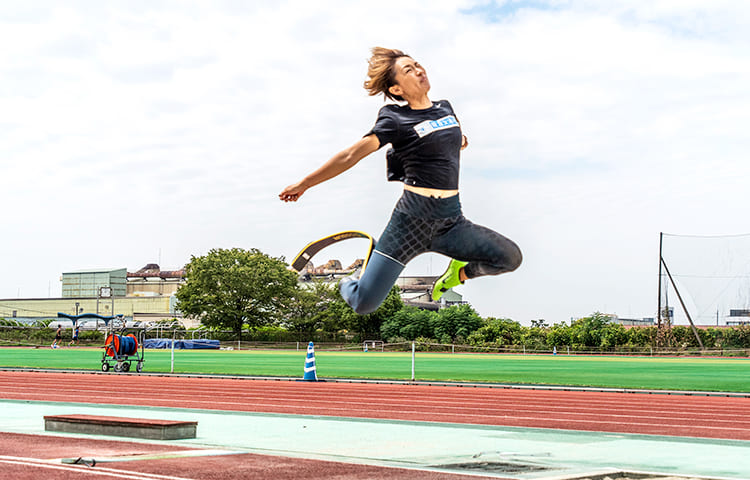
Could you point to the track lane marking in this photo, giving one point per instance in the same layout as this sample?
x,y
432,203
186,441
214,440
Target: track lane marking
x,y
100,471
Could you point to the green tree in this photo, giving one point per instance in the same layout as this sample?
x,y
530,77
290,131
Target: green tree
x,y
409,323
613,335
641,337
684,337
587,332
559,335
233,288
711,337
456,322
535,337
540,323
501,331
419,324
368,326
737,337
309,310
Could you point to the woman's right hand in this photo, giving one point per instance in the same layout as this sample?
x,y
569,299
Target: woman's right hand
x,y
341,162
292,192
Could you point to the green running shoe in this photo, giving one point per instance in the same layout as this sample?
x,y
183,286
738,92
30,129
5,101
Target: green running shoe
x,y
449,279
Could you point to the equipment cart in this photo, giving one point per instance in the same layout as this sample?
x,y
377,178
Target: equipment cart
x,y
121,349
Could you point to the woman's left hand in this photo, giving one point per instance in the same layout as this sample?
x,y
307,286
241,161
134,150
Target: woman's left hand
x,y
464,142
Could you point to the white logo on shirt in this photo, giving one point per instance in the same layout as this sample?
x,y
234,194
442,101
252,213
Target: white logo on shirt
x,y
429,126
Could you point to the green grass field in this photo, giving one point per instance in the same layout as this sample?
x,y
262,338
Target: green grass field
x,y
726,375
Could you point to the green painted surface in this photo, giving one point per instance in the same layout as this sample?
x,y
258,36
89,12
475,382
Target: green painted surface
x,y
728,375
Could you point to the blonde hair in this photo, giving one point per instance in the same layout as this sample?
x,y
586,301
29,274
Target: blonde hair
x,y
380,72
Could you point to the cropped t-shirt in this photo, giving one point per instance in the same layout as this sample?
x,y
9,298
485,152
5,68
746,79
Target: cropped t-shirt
x,y
427,142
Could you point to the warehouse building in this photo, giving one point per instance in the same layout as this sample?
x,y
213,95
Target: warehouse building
x,y
143,296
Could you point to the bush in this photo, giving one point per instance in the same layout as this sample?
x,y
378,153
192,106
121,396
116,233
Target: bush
x,y
737,337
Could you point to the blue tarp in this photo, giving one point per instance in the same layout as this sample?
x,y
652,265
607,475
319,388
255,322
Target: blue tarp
x,y
181,344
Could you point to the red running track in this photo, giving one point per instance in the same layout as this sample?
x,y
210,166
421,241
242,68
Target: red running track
x,y
653,414
27,457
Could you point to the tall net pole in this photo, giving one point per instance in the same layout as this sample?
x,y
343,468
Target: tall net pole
x,y
658,308
664,334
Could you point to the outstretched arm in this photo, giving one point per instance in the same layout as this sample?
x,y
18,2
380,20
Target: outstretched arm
x,y
339,163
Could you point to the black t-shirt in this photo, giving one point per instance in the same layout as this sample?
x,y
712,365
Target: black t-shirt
x,y
428,143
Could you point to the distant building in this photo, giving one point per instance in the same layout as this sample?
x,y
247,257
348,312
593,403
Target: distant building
x,y
151,281
143,296
417,291
738,317
133,309
628,322
633,322
87,283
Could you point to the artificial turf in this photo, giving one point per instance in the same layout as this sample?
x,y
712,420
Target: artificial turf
x,y
701,374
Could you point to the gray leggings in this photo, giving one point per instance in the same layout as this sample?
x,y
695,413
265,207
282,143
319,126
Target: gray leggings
x,y
425,224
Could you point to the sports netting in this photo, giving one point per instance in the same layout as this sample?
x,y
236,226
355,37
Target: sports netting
x,y
712,276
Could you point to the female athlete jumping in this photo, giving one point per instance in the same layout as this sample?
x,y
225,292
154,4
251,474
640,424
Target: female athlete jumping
x,y
426,141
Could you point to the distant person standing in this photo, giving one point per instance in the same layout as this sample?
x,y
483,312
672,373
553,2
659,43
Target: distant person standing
x,y
75,336
58,337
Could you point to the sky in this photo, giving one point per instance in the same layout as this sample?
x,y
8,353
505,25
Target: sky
x,y
152,131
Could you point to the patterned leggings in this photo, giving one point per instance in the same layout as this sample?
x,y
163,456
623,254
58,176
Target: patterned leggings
x,y
425,224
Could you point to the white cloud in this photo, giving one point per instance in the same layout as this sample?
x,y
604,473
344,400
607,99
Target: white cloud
x,y
130,129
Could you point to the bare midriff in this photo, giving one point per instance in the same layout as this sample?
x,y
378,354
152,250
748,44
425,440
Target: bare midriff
x,y
431,192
